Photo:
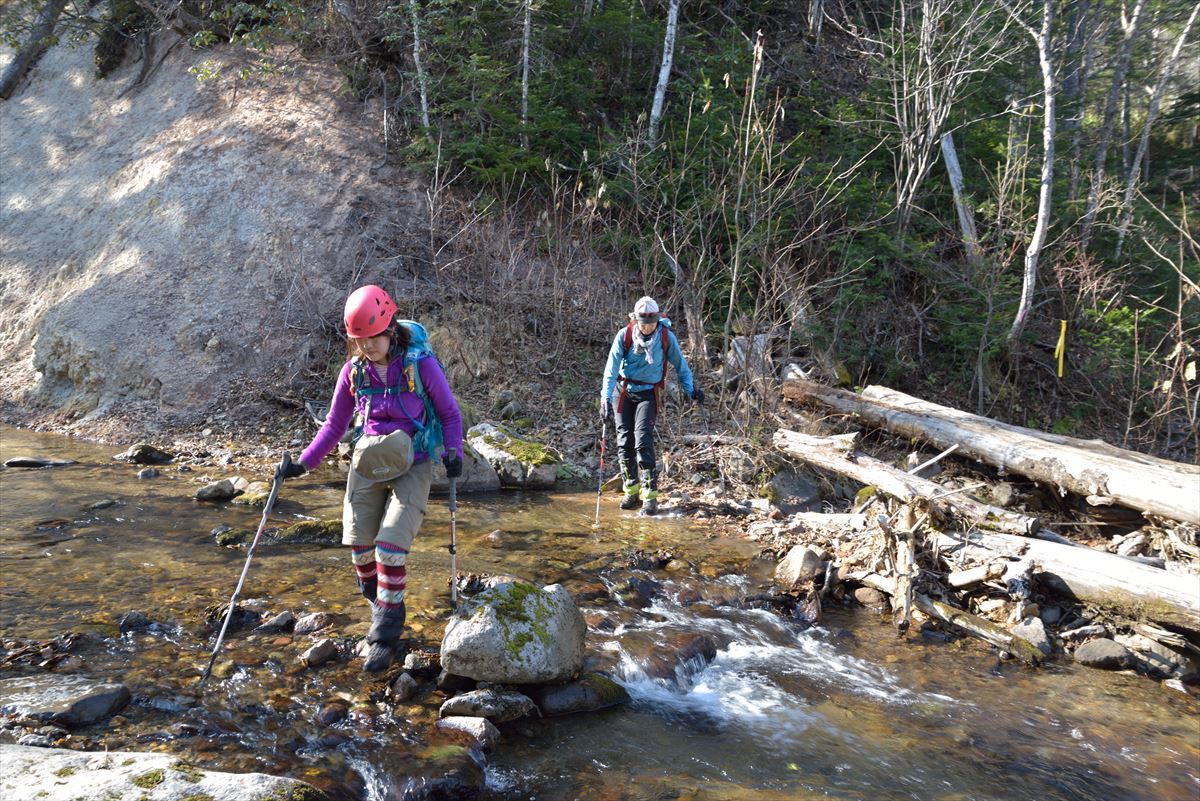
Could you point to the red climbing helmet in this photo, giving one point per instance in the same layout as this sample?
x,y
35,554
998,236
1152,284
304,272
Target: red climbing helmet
x,y
368,311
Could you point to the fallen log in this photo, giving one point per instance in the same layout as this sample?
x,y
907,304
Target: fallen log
x,y
1085,467
901,485
1102,579
972,624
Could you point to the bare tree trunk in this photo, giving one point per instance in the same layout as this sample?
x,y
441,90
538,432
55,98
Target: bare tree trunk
x,y
528,26
664,71
1043,215
966,217
422,82
1106,127
816,16
39,40
1081,68
1144,144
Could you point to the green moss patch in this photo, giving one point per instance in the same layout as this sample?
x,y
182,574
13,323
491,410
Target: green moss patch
x,y
64,772
150,779
189,772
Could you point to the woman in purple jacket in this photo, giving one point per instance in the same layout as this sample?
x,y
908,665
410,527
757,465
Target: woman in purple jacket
x,y
387,490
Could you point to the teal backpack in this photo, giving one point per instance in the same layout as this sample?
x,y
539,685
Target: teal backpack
x,y
427,435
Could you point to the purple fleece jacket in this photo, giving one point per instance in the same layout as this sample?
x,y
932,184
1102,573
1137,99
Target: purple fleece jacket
x,y
386,412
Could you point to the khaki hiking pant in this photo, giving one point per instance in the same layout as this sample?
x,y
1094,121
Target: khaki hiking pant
x,y
386,511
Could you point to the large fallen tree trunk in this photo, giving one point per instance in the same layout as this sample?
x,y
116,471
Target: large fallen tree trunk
x,y
1086,467
901,485
1105,580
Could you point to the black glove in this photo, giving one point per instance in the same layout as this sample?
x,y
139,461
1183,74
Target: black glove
x,y
697,395
294,470
605,409
453,464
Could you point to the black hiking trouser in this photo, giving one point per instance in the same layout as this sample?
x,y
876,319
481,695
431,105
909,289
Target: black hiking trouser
x,y
635,440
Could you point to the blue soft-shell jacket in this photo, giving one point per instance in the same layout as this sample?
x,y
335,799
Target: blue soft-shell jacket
x,y
641,374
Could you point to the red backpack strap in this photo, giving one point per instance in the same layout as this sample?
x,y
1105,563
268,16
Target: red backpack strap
x,y
662,382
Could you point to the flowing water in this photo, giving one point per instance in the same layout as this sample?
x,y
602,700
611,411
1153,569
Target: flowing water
x,y
842,710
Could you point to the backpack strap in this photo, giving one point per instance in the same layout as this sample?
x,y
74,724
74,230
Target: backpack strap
x,y
622,381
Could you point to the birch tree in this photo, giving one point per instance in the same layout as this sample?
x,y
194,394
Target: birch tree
x,y
1130,30
664,71
525,34
422,81
934,47
966,217
1034,250
1135,166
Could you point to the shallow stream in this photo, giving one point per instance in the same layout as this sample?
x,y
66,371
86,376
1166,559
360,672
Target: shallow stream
x,y
842,710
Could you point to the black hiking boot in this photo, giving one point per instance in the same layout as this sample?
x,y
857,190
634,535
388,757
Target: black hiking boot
x,y
650,507
631,502
384,634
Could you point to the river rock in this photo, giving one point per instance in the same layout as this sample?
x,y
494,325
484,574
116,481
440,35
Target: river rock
x,y
313,532
314,622
496,705
802,563
1104,654
1158,660
591,692
221,490
69,701
422,663
519,463
333,712
1034,630
660,653
450,683
281,622
790,492
871,598
486,734
134,621
320,653
404,687
478,475
515,633
64,775
144,453
255,494
147,472
37,462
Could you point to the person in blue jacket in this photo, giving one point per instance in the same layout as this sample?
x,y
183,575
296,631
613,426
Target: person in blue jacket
x,y
637,370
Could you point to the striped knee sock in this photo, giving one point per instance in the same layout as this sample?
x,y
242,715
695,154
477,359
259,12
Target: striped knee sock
x,y
392,575
363,557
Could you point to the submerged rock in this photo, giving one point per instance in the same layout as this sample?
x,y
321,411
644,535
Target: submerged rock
x,y
69,701
319,532
281,622
63,775
479,728
37,462
515,633
314,622
404,687
591,692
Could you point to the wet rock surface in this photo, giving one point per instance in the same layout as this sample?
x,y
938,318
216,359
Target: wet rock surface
x,y
70,701
62,775
499,706
592,692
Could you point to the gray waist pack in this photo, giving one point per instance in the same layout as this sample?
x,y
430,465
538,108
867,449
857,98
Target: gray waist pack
x,y
383,457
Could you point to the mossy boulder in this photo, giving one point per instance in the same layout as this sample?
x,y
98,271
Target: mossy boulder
x,y
516,633
519,463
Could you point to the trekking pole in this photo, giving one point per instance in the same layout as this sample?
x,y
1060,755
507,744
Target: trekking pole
x,y
600,476
284,463
453,544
